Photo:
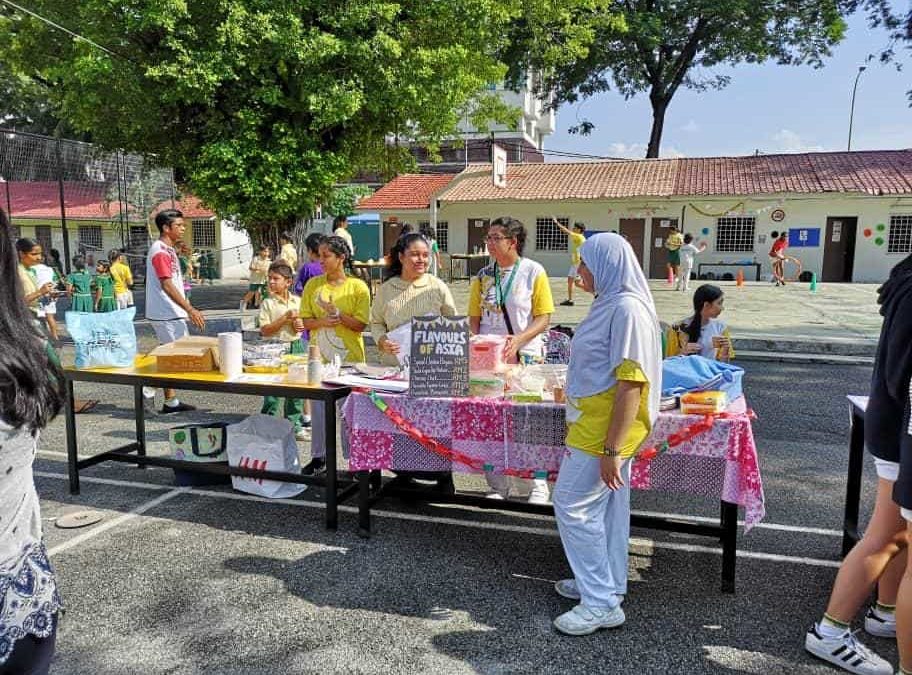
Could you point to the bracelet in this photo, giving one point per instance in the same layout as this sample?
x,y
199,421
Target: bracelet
x,y
611,452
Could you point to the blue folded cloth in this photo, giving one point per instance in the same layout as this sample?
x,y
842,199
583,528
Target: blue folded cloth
x,y
681,374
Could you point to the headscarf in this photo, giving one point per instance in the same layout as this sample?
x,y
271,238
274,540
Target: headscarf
x,y
621,324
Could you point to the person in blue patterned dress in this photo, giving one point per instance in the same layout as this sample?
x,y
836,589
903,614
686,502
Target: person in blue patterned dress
x,y
29,600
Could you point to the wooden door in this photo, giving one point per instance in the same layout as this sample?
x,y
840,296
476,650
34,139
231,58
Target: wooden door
x,y
658,254
478,229
391,231
634,230
839,249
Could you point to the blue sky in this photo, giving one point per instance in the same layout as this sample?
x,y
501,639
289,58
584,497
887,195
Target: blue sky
x,y
767,107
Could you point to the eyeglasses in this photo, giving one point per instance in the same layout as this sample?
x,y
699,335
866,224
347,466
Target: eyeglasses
x,y
496,237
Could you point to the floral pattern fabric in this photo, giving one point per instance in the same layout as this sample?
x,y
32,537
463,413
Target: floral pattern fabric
x,y
28,599
720,463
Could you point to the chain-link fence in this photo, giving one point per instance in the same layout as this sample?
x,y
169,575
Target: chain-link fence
x,y
75,198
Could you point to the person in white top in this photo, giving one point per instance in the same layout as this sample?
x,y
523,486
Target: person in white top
x,y
703,333
340,229
167,308
687,253
288,252
32,393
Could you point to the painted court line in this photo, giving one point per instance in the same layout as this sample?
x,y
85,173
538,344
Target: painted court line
x,y
412,517
104,527
799,529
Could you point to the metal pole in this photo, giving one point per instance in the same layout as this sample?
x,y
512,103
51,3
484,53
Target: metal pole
x,y
121,199
861,69
63,222
9,203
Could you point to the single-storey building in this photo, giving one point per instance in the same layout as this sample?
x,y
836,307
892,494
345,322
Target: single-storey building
x,y
95,224
848,215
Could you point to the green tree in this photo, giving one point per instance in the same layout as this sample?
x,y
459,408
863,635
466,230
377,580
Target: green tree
x,y
657,46
344,199
261,106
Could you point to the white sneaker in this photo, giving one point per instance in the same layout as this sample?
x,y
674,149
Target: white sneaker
x,y
879,626
539,493
567,588
846,652
582,620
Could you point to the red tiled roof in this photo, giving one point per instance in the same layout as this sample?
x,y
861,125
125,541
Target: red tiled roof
x,y
83,201
406,192
879,172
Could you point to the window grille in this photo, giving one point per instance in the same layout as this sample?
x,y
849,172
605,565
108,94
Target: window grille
x,y
900,240
203,234
735,234
443,236
91,238
548,237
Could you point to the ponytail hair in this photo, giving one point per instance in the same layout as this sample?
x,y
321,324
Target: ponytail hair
x,y
705,293
340,248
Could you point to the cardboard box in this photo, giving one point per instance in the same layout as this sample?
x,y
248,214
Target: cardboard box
x,y
193,354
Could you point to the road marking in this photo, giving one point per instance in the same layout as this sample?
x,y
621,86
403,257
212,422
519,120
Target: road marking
x,y
104,527
412,517
799,529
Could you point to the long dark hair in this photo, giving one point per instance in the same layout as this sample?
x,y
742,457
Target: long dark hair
x,y
401,246
514,229
32,387
705,293
897,278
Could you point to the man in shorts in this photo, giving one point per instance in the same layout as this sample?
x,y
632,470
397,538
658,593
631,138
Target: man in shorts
x,y
575,239
167,308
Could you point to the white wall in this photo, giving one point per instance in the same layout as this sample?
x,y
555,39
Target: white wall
x,y
235,251
872,262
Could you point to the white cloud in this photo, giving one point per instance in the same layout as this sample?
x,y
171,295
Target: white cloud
x,y
638,151
788,141
691,127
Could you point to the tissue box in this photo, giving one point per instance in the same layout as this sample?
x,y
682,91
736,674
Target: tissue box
x,y
704,402
192,354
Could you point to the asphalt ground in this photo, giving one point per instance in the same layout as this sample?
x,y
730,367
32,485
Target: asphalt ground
x,y
212,581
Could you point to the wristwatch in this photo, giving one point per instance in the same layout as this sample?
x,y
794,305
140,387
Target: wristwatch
x,y
611,452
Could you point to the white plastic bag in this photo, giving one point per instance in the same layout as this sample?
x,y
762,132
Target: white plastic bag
x,y
267,443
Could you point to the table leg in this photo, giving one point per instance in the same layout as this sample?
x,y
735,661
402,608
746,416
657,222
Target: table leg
x,y
72,446
729,522
329,427
364,493
139,410
853,482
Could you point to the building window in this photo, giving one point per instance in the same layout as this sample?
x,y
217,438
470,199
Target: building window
x,y
43,237
735,234
442,235
548,237
15,232
900,235
90,238
204,234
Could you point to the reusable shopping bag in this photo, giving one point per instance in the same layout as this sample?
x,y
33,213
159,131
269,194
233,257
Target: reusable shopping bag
x,y
200,443
266,443
681,374
103,340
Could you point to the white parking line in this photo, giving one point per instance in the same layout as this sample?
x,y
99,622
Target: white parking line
x,y
799,529
95,531
413,517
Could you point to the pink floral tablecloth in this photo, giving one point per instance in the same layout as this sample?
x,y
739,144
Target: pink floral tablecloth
x,y
720,463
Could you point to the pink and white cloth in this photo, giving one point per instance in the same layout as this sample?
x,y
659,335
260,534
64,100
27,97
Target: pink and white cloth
x,y
720,463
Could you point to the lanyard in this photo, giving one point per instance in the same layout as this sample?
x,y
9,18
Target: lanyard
x,y
503,293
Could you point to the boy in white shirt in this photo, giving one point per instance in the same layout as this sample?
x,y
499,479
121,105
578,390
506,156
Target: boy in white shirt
x,y
687,253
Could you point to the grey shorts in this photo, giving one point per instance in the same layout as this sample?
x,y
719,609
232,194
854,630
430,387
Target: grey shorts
x,y
170,330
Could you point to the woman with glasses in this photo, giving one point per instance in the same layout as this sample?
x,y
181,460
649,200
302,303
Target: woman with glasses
x,y
512,297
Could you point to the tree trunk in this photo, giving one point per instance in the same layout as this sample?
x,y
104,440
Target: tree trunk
x,y
659,107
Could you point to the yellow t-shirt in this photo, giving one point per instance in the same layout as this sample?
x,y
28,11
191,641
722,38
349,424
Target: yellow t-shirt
x,y
594,413
352,298
576,240
273,308
123,277
674,241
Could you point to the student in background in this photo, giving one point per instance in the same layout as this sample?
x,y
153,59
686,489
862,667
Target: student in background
x,y
340,229
777,258
312,268
288,252
103,287
278,314
123,279
575,239
47,305
687,253
425,230
259,272
673,243
79,286
703,333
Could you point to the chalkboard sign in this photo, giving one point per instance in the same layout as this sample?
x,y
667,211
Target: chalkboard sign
x,y
439,358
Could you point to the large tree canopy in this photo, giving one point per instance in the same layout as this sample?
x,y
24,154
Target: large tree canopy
x,y
657,46
262,105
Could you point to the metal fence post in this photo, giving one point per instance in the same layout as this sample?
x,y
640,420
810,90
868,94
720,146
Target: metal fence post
x,y
63,222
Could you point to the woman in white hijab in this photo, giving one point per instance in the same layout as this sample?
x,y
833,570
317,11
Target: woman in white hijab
x,y
613,389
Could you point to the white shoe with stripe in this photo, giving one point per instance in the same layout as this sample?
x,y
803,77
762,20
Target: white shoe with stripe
x,y
846,652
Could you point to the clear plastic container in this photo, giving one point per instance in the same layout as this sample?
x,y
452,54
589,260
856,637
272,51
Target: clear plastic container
x,y
486,353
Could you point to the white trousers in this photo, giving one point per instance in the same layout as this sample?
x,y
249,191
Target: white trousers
x,y
594,526
684,277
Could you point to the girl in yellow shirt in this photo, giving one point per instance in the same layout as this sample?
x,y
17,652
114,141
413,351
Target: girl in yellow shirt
x,y
613,389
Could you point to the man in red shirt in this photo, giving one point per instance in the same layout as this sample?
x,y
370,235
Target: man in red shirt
x,y
777,258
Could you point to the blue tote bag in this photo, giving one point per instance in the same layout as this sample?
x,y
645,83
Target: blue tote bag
x,y
103,340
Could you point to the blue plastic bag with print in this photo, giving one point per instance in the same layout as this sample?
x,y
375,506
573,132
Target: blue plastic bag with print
x,y
104,339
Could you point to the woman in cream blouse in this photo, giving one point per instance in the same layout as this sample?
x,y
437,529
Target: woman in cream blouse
x,y
409,291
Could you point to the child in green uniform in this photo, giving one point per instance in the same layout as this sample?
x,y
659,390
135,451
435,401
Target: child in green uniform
x,y
79,286
104,288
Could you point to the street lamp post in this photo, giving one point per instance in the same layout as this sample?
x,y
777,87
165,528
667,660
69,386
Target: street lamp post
x,y
861,69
